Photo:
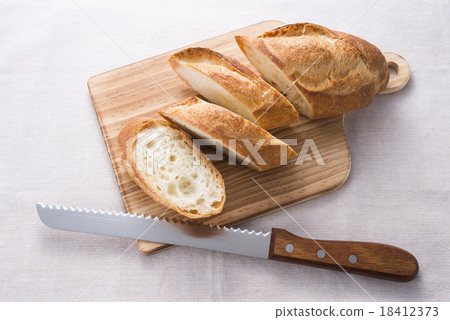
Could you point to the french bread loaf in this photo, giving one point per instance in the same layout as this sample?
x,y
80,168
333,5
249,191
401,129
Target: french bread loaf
x,y
163,161
322,72
237,136
228,83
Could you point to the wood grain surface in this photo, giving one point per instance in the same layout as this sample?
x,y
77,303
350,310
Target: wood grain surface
x,y
136,90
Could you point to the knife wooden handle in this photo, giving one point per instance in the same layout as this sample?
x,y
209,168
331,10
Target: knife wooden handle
x,y
367,258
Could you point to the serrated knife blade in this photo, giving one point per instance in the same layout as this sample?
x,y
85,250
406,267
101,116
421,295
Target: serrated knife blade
x,y
138,227
367,258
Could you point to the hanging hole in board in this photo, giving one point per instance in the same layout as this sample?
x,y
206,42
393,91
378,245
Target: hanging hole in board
x,y
393,72
399,73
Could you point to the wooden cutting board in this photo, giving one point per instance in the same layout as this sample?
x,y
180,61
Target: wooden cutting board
x,y
136,90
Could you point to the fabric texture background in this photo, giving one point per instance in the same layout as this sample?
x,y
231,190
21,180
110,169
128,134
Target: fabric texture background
x,y
52,151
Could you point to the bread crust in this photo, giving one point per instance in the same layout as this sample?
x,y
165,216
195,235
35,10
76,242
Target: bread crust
x,y
127,141
220,123
341,77
266,104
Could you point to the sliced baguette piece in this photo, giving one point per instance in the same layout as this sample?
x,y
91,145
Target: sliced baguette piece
x,y
227,130
160,159
322,72
228,83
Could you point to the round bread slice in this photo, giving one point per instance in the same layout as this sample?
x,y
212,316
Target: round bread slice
x,y
239,138
163,161
228,83
322,72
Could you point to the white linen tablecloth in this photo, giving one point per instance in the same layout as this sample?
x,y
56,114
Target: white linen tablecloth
x,y
53,151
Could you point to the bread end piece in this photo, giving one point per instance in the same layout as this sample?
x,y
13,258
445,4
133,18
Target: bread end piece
x,y
322,72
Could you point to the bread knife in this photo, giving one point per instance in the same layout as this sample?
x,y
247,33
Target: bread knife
x,y
366,258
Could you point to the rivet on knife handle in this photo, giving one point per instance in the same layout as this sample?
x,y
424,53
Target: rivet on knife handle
x,y
367,258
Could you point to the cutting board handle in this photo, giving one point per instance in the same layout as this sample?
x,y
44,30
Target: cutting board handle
x,y
401,66
367,258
